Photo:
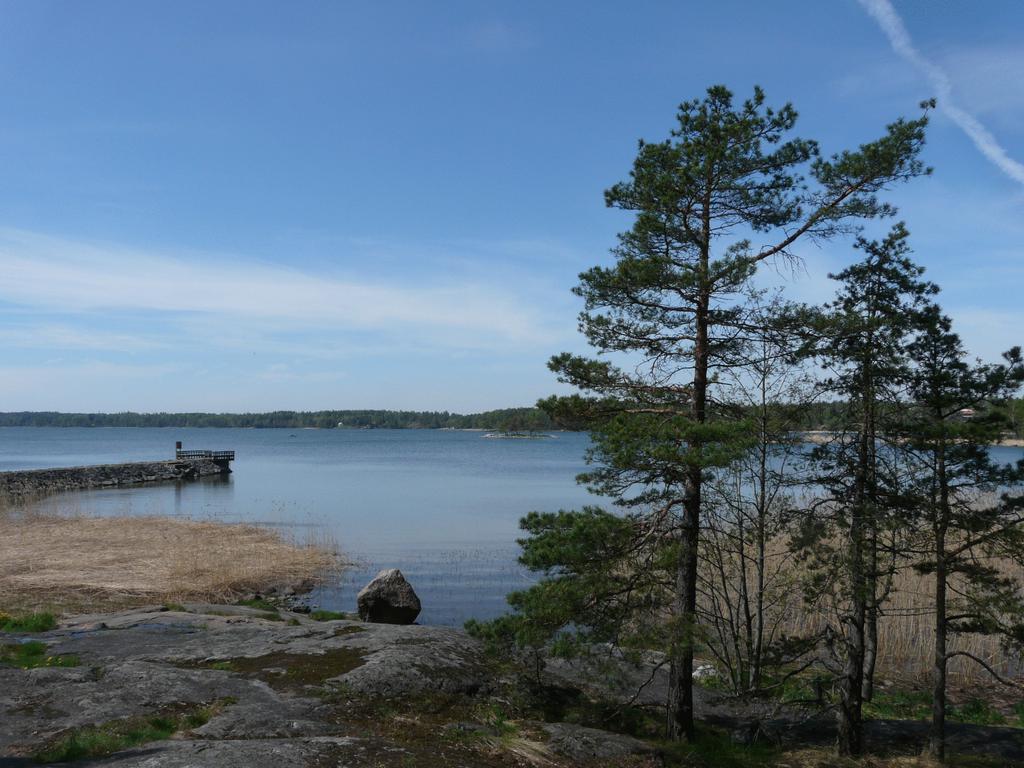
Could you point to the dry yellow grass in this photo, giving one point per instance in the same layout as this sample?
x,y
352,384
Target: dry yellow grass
x,y
102,562
906,626
906,636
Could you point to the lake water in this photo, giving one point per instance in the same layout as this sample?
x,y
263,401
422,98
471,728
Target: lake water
x,y
443,506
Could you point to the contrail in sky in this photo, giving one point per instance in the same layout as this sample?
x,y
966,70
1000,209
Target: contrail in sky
x,y
892,25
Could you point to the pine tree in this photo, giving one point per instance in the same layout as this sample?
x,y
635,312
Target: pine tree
x,y
865,334
970,509
672,309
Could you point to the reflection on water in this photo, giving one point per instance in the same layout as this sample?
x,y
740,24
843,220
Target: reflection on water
x,y
223,483
442,506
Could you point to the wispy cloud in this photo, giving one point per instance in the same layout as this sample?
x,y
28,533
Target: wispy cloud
x,y
86,386
282,372
34,379
892,25
990,80
65,337
60,275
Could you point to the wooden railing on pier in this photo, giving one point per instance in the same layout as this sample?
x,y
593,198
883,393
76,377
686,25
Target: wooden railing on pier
x,y
212,455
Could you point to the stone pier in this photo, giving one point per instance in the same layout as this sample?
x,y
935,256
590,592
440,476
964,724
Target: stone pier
x,y
35,482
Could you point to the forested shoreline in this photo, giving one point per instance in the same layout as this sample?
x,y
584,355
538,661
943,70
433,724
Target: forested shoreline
x,y
816,416
505,418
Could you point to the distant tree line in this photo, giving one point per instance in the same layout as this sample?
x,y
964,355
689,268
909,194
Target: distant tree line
x,y
805,416
531,419
831,415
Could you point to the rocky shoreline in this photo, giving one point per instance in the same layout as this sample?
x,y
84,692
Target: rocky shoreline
x,y
266,687
269,671
37,482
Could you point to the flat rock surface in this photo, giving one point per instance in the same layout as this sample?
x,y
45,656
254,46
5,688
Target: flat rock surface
x,y
387,659
248,753
278,689
273,674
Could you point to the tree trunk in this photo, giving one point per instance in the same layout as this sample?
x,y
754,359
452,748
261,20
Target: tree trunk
x,y
747,618
755,682
870,619
761,500
680,695
680,704
869,497
851,689
850,701
937,733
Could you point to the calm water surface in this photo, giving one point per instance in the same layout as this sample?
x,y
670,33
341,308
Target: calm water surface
x,y
442,506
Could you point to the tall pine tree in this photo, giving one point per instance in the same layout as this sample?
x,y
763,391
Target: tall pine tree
x,y
969,508
865,333
725,192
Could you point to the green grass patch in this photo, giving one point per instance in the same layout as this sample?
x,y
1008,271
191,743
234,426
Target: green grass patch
x,y
495,718
980,761
899,705
102,740
917,705
33,654
976,712
713,748
98,741
321,615
199,716
265,615
352,629
270,611
177,607
28,622
284,670
258,602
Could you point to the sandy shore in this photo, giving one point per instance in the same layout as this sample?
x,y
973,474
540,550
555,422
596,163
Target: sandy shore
x,y
94,563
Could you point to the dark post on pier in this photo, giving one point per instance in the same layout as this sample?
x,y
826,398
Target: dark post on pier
x,y
222,459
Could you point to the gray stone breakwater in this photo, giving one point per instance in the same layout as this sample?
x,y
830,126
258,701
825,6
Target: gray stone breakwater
x,y
35,482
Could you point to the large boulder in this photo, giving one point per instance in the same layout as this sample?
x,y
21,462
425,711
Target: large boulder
x,y
388,599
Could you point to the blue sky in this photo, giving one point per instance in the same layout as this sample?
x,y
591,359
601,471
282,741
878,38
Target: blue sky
x,y
256,205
